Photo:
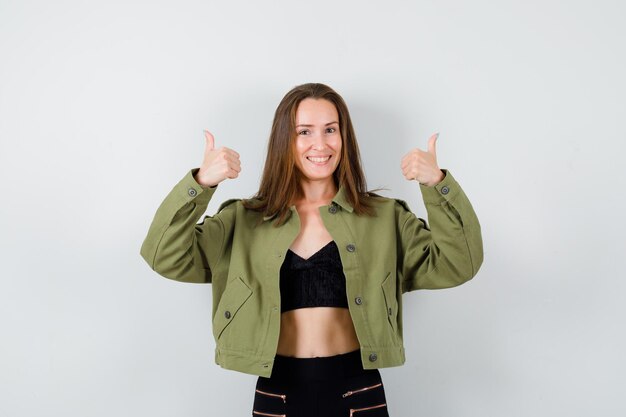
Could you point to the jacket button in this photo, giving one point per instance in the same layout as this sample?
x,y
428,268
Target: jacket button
x,y
192,192
390,311
373,357
351,247
332,209
358,300
445,189
227,314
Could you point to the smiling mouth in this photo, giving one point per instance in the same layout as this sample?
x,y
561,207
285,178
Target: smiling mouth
x,y
318,159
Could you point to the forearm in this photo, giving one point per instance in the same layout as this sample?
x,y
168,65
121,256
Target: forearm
x,y
452,250
170,247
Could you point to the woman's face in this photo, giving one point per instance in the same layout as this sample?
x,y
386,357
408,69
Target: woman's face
x,y
318,139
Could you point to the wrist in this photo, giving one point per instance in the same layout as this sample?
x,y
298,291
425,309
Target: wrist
x,y
202,184
440,178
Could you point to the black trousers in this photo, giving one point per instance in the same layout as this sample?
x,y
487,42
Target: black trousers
x,y
330,386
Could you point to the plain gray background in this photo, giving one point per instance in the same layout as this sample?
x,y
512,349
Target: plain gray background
x,y
102,106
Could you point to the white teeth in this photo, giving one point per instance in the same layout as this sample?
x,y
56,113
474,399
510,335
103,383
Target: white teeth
x,y
318,159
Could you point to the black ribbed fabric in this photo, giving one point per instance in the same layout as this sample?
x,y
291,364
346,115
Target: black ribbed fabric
x,y
321,386
314,282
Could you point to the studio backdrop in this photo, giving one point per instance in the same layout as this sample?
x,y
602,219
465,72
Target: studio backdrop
x,y
102,107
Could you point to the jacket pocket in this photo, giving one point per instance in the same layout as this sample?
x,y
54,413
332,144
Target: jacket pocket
x,y
389,292
234,296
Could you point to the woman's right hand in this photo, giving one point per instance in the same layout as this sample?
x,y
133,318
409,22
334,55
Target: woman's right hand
x,y
218,164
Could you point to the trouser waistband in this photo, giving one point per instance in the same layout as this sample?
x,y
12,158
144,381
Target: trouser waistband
x,y
318,368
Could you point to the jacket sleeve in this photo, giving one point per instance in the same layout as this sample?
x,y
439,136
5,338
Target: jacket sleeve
x,y
450,251
178,248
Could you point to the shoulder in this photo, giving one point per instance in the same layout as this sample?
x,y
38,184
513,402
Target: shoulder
x,y
228,203
239,208
238,204
390,203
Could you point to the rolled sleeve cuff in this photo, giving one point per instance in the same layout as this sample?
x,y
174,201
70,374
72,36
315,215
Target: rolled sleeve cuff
x,y
189,190
445,190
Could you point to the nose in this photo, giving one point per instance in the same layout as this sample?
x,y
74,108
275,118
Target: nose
x,y
319,142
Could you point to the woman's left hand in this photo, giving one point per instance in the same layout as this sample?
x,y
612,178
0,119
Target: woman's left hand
x,y
422,165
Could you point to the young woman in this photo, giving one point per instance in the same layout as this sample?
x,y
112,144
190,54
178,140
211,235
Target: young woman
x,y
308,274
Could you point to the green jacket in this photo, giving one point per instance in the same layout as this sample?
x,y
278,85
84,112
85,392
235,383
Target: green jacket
x,y
382,256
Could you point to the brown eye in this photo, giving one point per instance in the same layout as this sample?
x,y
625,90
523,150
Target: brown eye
x,y
303,132
331,130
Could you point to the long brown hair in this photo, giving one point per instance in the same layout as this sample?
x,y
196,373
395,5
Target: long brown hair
x,y
280,183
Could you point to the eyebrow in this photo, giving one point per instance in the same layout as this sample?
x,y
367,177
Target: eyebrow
x,y
327,124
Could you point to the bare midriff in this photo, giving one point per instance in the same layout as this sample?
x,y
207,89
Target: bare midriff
x,y
316,331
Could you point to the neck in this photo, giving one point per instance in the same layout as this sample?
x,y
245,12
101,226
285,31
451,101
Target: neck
x,y
317,192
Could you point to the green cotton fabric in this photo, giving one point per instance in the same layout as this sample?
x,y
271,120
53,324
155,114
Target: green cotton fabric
x,y
383,257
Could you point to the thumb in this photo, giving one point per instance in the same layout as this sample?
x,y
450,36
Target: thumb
x,y
210,140
431,144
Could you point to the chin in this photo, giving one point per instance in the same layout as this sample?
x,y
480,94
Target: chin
x,y
311,177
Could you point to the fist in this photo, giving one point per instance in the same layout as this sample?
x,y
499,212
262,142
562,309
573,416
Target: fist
x,y
422,165
218,164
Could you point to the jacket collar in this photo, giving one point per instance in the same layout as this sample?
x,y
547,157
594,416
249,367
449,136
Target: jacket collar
x,y
339,199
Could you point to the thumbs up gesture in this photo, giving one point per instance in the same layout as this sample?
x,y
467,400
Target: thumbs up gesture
x,y
422,165
218,164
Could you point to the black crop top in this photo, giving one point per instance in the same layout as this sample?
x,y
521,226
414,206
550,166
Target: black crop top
x,y
314,282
